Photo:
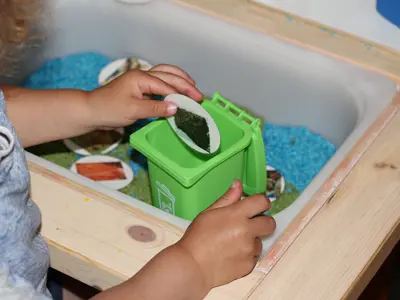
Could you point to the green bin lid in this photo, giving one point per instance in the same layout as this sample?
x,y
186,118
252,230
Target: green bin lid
x,y
255,179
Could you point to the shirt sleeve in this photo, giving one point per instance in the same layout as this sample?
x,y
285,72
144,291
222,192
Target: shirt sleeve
x,y
18,289
24,257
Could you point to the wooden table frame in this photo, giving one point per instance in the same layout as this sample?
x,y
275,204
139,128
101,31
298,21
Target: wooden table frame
x,y
330,251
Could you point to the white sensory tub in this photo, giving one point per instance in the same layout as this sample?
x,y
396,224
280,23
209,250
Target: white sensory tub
x,y
274,80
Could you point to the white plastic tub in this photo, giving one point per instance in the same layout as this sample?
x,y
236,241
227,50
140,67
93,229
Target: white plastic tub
x,y
275,80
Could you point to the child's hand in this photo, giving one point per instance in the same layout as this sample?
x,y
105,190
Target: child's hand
x,y
224,240
122,101
222,244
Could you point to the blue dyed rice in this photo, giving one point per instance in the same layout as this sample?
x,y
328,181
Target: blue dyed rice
x,y
76,71
296,152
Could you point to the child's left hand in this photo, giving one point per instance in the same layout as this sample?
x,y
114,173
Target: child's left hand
x,y
122,101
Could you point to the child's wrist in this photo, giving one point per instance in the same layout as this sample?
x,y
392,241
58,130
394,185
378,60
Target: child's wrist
x,y
100,111
204,281
90,112
85,111
176,270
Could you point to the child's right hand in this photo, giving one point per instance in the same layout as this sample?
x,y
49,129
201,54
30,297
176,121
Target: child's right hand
x,y
224,240
222,244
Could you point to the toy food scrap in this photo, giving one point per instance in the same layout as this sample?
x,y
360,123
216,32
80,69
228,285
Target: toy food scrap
x,y
96,142
119,67
275,184
194,125
107,170
100,171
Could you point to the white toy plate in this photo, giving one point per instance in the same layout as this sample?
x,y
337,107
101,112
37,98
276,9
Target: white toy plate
x,y
272,195
112,183
69,143
194,107
119,67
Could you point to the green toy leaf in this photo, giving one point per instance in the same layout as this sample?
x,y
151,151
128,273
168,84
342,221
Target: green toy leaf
x,y
195,127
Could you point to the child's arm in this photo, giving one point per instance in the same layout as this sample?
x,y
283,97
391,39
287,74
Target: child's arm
x,y
221,245
41,116
171,275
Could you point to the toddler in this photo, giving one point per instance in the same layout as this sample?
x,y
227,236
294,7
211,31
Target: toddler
x,y
222,244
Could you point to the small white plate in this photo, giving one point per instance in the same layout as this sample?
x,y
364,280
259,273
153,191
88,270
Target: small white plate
x,y
194,107
82,151
119,67
115,184
272,195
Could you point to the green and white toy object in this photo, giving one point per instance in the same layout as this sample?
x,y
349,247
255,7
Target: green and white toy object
x,y
185,178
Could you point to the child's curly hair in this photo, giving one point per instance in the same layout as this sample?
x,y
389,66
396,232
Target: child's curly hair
x,y
19,23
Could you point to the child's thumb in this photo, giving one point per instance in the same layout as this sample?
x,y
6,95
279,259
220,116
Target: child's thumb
x,y
232,196
144,109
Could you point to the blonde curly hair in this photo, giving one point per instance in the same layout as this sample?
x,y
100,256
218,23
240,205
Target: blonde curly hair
x,y
19,32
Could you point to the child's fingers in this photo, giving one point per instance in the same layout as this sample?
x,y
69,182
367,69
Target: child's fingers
x,y
148,84
257,247
262,226
253,205
143,109
174,70
182,85
232,196
172,79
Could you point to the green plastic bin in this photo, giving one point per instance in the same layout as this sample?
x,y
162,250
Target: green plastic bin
x,y
184,182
